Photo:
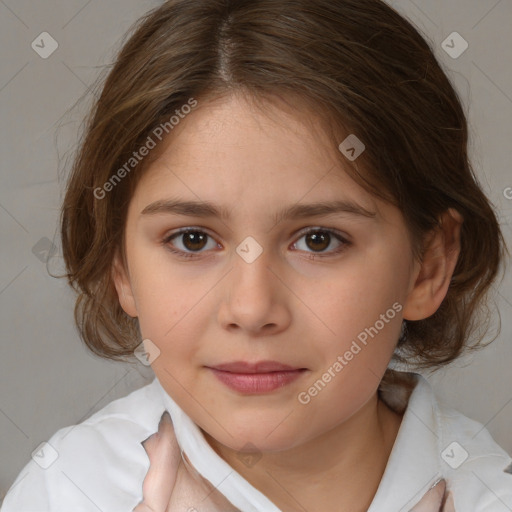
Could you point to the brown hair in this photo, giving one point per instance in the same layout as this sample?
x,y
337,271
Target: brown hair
x,y
361,67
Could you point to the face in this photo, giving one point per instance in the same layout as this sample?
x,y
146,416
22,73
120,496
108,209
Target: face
x,y
321,292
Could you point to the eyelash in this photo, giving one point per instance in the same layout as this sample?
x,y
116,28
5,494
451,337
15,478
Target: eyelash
x,y
312,256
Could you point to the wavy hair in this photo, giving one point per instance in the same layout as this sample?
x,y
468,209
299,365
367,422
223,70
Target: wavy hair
x,y
361,67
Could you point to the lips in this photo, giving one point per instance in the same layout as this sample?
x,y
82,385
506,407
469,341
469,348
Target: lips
x,y
256,378
259,367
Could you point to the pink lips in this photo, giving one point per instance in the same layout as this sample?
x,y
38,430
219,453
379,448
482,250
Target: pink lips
x,y
261,377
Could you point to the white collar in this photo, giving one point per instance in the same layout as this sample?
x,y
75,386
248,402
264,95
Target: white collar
x,y
414,463
412,469
210,465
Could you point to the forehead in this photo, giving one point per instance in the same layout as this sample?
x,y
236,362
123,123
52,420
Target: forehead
x,y
234,126
230,152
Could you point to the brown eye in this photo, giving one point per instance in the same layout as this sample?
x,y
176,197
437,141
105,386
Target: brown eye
x,y
188,242
194,240
318,241
191,243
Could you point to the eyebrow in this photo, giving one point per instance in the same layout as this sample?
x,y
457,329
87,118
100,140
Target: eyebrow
x,y
207,209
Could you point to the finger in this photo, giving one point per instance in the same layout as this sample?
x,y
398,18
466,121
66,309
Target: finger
x,y
432,500
142,507
164,457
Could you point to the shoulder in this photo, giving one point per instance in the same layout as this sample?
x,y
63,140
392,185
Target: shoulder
x,y
436,442
477,469
96,464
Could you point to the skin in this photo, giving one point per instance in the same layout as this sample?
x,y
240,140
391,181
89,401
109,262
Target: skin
x,y
329,454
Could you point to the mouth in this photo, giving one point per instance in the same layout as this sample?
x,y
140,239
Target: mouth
x,y
256,378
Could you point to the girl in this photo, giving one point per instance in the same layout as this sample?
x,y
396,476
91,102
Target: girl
x,y
230,139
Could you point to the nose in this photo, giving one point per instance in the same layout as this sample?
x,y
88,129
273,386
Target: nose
x,y
254,297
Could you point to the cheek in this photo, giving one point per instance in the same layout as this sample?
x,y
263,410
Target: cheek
x,y
360,312
166,307
160,289
354,300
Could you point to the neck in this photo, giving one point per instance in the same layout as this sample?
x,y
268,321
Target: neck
x,y
339,470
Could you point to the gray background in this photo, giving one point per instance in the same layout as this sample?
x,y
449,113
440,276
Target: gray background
x,y
48,379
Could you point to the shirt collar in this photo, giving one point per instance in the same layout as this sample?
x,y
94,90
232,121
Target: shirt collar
x,y
210,465
414,463
412,468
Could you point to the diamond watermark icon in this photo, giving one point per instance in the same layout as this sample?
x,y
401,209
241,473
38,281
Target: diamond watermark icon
x,y
352,147
44,249
249,249
454,455
454,45
249,458
146,352
44,45
45,455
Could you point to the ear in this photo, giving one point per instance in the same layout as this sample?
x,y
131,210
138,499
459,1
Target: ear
x,y
440,257
123,286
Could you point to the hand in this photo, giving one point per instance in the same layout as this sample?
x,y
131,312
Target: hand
x,y
168,483
164,457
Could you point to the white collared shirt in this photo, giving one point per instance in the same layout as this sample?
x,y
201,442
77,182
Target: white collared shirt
x,y
99,464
